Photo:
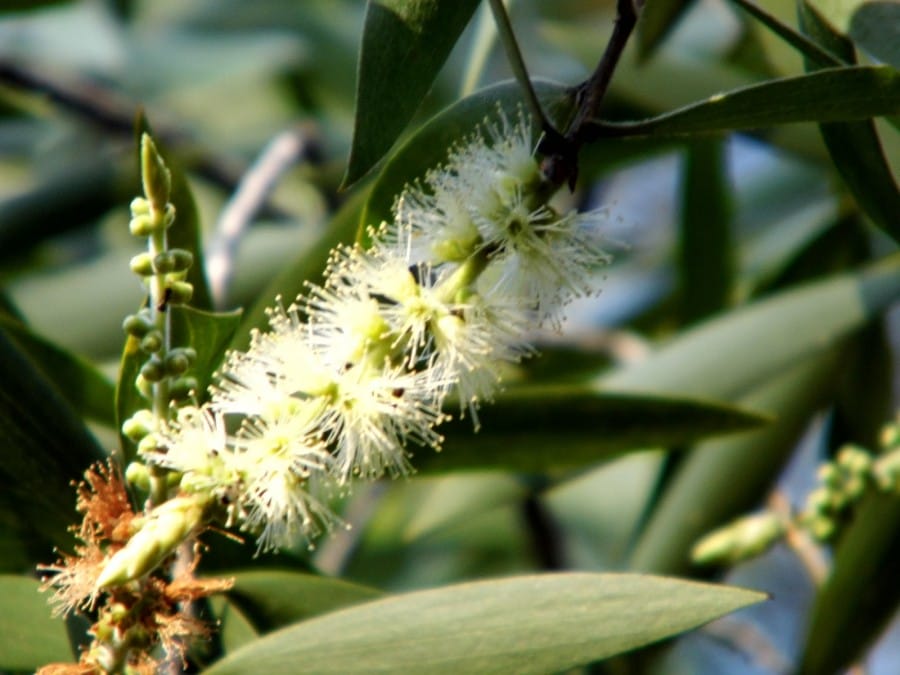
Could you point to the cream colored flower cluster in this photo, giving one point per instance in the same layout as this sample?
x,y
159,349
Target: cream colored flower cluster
x,y
358,369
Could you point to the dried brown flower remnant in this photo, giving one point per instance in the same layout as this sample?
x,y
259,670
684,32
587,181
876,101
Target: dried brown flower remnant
x,y
132,619
105,527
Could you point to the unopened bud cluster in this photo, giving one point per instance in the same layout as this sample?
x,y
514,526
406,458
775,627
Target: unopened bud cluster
x,y
842,484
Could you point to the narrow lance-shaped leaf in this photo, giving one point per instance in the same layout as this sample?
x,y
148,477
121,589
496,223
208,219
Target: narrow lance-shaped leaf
x,y
830,95
532,624
87,390
546,428
854,146
404,45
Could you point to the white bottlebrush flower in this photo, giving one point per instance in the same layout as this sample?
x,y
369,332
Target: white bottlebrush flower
x,y
281,464
487,200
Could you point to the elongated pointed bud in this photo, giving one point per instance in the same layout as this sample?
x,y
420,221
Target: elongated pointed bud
x,y
167,526
745,538
157,179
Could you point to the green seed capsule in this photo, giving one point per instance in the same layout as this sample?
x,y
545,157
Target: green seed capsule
x,y
181,292
164,262
152,342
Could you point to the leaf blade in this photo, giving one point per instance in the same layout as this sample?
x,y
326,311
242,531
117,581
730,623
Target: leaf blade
x,y
404,45
531,624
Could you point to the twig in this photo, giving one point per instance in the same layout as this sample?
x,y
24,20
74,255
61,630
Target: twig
x,y
516,62
560,152
799,541
107,110
285,150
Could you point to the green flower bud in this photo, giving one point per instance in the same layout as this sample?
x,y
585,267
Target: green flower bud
x,y
142,264
152,342
138,475
184,259
822,528
137,325
164,262
177,363
142,226
167,526
183,388
152,371
139,207
181,292
745,538
139,425
155,176
144,386
149,444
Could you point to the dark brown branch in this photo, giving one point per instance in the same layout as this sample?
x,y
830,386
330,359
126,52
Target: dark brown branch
x,y
115,114
561,151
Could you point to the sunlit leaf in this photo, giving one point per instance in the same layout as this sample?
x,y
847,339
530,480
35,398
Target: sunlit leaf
x,y
523,625
275,598
404,45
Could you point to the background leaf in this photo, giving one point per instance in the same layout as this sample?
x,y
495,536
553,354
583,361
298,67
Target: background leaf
x,y
31,637
404,45
523,625
550,428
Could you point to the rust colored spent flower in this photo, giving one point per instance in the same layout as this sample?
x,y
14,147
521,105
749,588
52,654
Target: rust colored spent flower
x,y
67,669
104,503
106,523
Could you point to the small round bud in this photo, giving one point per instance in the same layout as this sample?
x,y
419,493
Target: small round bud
x,y
152,342
164,262
181,292
139,207
829,475
138,475
177,363
137,325
144,387
153,371
142,264
183,388
183,259
822,529
819,501
142,226
139,425
149,445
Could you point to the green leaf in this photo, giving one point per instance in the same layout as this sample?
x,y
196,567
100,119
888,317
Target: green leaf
x,y
235,629
829,95
186,232
531,624
863,583
855,147
207,332
404,45
31,636
87,390
275,598
875,27
429,146
705,265
657,19
546,427
728,356
797,40
697,500
44,445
